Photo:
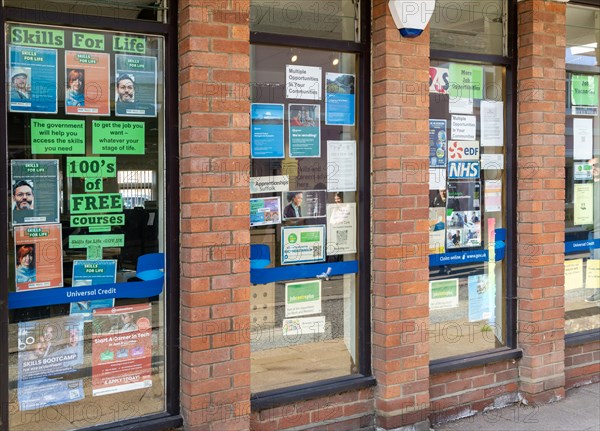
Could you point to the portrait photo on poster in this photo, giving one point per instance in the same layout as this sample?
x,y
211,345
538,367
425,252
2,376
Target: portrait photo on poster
x,y
135,85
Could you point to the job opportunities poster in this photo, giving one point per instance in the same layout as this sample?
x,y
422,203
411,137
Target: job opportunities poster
x,y
34,191
121,349
87,83
49,350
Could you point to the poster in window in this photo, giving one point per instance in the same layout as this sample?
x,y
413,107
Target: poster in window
x,y
481,298
87,81
135,85
437,143
90,273
49,351
121,349
265,211
443,294
302,298
463,214
34,188
341,228
33,80
266,131
303,82
341,166
437,230
305,130
584,90
439,80
339,99
302,244
301,204
38,257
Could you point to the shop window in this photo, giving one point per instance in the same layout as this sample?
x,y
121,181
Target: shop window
x,y
467,214
85,227
582,173
469,26
304,216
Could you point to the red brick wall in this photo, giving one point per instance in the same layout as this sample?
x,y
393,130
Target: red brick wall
x,y
215,236
347,411
463,393
582,364
541,197
400,187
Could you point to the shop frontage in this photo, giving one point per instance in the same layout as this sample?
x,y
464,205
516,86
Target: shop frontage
x,y
262,215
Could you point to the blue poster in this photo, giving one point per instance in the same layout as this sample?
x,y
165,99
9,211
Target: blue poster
x,y
437,143
480,298
305,130
48,350
90,273
339,99
266,136
33,80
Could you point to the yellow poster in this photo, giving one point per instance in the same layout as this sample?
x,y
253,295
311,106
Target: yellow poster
x,y
592,274
583,204
573,274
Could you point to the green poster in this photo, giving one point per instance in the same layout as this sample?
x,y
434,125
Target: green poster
x,y
93,220
34,36
466,81
584,90
92,167
443,294
88,41
96,203
86,241
302,298
134,45
94,185
57,136
118,137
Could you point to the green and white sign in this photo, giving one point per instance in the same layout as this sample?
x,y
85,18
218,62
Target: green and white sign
x,y
34,36
302,298
133,45
57,136
96,203
118,137
92,167
584,90
93,220
443,294
302,244
466,81
88,41
95,243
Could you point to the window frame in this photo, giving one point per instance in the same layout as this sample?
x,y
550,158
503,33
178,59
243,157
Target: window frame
x,y
171,417
364,378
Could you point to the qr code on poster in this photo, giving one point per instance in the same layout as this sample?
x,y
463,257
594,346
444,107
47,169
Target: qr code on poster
x,y
317,251
341,236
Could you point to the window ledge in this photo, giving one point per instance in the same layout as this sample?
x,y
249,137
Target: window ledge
x,y
278,397
456,363
582,337
156,422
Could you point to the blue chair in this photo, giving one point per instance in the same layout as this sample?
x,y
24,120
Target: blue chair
x,y
260,256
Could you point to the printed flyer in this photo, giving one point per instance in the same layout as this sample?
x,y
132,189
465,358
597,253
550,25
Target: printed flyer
x,y
265,211
341,166
49,350
302,298
33,80
304,204
121,349
135,85
266,131
89,273
437,230
303,82
305,130
480,298
38,257
437,143
339,99
463,214
573,274
443,294
35,189
341,228
302,244
87,80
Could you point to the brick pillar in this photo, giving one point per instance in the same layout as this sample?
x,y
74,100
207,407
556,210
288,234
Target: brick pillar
x,y
541,198
215,233
400,222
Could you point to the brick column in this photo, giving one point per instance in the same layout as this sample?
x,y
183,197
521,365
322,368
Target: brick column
x,y
541,198
215,233
400,222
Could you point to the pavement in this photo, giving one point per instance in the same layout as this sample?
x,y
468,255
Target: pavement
x,y
578,411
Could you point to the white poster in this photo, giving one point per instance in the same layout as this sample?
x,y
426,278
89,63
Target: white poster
x,y
463,150
302,244
582,171
583,204
492,161
461,105
464,127
492,123
437,179
583,139
303,82
341,228
341,166
275,183
493,195
303,326
573,274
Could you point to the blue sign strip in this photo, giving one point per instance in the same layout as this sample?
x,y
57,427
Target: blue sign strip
x,y
316,270
471,256
580,246
152,285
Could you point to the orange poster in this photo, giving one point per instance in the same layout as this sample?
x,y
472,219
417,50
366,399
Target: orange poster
x,y
38,257
87,83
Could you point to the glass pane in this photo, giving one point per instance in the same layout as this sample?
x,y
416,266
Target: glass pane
x,y
334,19
582,211
122,9
467,209
86,227
583,35
303,216
469,26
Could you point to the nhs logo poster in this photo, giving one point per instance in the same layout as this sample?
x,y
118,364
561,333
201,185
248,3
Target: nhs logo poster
x,y
463,150
463,170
